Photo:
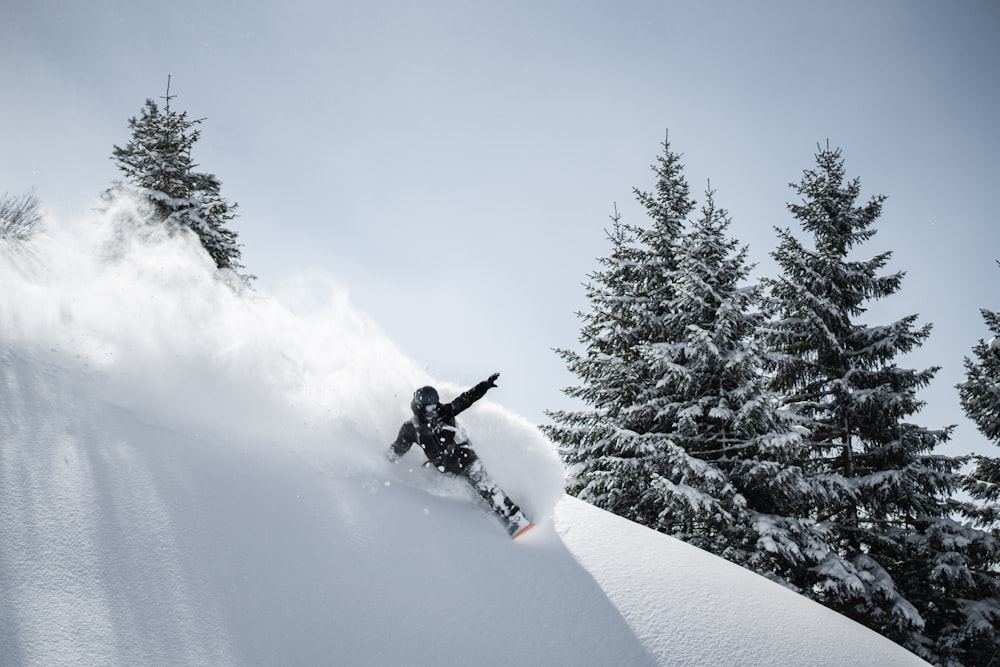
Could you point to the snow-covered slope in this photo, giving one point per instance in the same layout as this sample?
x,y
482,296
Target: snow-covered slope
x,y
190,476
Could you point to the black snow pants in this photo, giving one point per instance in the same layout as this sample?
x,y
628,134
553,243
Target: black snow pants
x,y
509,514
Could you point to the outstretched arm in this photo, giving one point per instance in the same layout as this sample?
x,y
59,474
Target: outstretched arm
x,y
469,397
405,440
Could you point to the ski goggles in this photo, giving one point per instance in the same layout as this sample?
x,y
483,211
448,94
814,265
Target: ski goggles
x,y
430,408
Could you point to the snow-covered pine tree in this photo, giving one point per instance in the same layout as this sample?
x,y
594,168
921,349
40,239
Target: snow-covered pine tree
x,y
877,485
970,623
158,165
951,573
980,398
728,481
601,446
695,377
610,463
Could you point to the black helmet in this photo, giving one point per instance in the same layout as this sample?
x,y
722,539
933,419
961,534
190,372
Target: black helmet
x,y
425,401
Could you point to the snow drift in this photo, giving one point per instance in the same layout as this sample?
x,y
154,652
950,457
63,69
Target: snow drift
x,y
194,474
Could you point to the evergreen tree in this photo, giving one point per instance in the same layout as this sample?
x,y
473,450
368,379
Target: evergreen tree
x,y
980,398
949,571
611,462
608,465
729,485
973,622
877,486
701,381
684,436
157,163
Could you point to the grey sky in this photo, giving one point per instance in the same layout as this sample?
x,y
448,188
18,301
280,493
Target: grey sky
x,y
454,163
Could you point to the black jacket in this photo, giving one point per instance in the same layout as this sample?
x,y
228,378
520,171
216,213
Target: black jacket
x,y
439,436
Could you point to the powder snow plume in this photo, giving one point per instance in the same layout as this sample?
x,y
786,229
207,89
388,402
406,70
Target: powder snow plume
x,y
161,332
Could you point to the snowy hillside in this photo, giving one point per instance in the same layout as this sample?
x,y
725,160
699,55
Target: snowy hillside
x,y
192,476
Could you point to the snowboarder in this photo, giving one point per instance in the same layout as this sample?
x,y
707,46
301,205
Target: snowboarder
x,y
444,443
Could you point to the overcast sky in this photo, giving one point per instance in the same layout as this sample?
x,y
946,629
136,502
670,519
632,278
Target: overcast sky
x,y
453,163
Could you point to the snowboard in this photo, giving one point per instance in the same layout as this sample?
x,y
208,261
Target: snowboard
x,y
517,525
522,531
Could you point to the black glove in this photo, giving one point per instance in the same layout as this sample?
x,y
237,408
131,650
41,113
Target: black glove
x,y
492,380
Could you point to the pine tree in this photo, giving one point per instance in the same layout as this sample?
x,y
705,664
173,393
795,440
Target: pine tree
x,y
971,625
980,398
730,485
877,486
701,380
950,574
611,464
684,436
607,466
158,164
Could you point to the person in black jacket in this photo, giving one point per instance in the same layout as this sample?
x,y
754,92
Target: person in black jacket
x,y
434,430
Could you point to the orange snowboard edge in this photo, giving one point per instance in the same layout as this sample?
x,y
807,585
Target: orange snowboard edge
x,y
523,531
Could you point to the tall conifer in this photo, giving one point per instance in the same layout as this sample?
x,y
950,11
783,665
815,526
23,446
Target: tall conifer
x,y
972,621
157,163
611,463
877,484
980,398
730,484
683,435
